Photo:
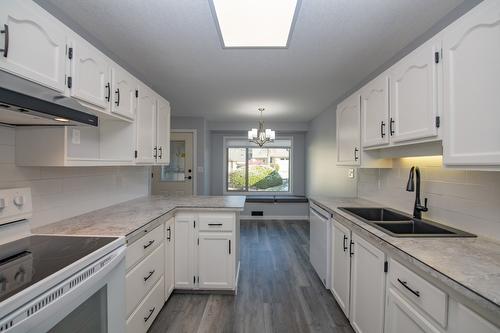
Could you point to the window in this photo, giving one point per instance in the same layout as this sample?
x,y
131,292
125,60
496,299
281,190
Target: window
x,y
253,169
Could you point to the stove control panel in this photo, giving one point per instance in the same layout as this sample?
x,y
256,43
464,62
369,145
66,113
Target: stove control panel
x,y
15,204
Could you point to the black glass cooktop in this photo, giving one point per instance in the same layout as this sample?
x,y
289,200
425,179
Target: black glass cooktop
x,y
26,261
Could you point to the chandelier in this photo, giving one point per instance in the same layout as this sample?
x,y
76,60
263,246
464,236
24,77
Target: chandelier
x,y
261,136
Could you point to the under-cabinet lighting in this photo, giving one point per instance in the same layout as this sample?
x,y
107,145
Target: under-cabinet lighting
x,y
255,23
63,120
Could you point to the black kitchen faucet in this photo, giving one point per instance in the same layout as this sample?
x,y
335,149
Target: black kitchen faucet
x,y
410,187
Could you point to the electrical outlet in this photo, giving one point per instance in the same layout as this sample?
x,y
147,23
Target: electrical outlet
x,y
350,173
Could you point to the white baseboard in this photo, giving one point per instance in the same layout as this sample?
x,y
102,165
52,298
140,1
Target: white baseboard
x,y
269,217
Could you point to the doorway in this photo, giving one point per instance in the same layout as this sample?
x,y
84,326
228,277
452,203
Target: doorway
x,y
177,178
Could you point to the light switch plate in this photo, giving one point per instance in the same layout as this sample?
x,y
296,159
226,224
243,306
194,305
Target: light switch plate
x,y
75,136
350,173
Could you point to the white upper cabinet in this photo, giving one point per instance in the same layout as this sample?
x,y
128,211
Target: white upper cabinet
x,y
471,117
163,132
89,80
33,43
124,87
414,93
348,136
146,126
375,124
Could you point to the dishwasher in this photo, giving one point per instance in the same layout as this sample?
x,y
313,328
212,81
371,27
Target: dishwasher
x,y
320,242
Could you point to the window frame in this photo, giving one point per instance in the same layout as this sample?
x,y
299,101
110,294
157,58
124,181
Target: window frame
x,y
226,191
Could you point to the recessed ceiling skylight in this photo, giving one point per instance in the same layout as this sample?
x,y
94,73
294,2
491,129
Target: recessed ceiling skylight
x,y
255,23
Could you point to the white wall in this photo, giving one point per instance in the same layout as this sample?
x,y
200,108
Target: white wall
x,y
323,177
60,193
468,200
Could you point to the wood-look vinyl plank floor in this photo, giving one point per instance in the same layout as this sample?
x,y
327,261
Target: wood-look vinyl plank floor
x,y
278,290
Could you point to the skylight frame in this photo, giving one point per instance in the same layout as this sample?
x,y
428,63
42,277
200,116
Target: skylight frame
x,y
221,38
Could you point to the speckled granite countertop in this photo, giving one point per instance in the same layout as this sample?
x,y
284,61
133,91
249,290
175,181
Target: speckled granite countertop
x,y
469,266
124,218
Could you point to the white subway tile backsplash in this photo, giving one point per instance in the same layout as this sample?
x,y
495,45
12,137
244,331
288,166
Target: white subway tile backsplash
x,y
59,193
468,200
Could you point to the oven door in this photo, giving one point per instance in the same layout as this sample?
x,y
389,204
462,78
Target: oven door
x,y
93,300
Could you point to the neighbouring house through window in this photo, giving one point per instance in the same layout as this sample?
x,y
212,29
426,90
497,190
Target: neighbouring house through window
x,y
250,168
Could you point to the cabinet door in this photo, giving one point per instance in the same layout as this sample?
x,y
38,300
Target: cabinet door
x,y
463,320
471,52
375,122
146,126
348,140
401,316
341,266
169,257
367,287
124,86
414,93
184,252
37,43
90,74
163,132
216,260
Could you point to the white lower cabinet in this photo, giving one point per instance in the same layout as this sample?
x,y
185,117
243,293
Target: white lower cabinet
x,y
142,318
341,266
169,257
464,320
144,281
358,279
185,256
205,250
381,295
402,316
142,278
367,286
216,260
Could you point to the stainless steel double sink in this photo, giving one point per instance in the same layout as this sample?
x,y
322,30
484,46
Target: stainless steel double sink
x,y
397,224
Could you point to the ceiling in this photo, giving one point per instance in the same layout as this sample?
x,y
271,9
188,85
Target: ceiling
x,y
175,47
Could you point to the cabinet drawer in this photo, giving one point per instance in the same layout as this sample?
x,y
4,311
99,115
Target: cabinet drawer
x,y
429,298
140,320
216,221
144,246
142,277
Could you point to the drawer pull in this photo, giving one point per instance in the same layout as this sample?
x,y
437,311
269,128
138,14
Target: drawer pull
x,y
169,237
151,311
215,224
149,244
149,275
405,284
